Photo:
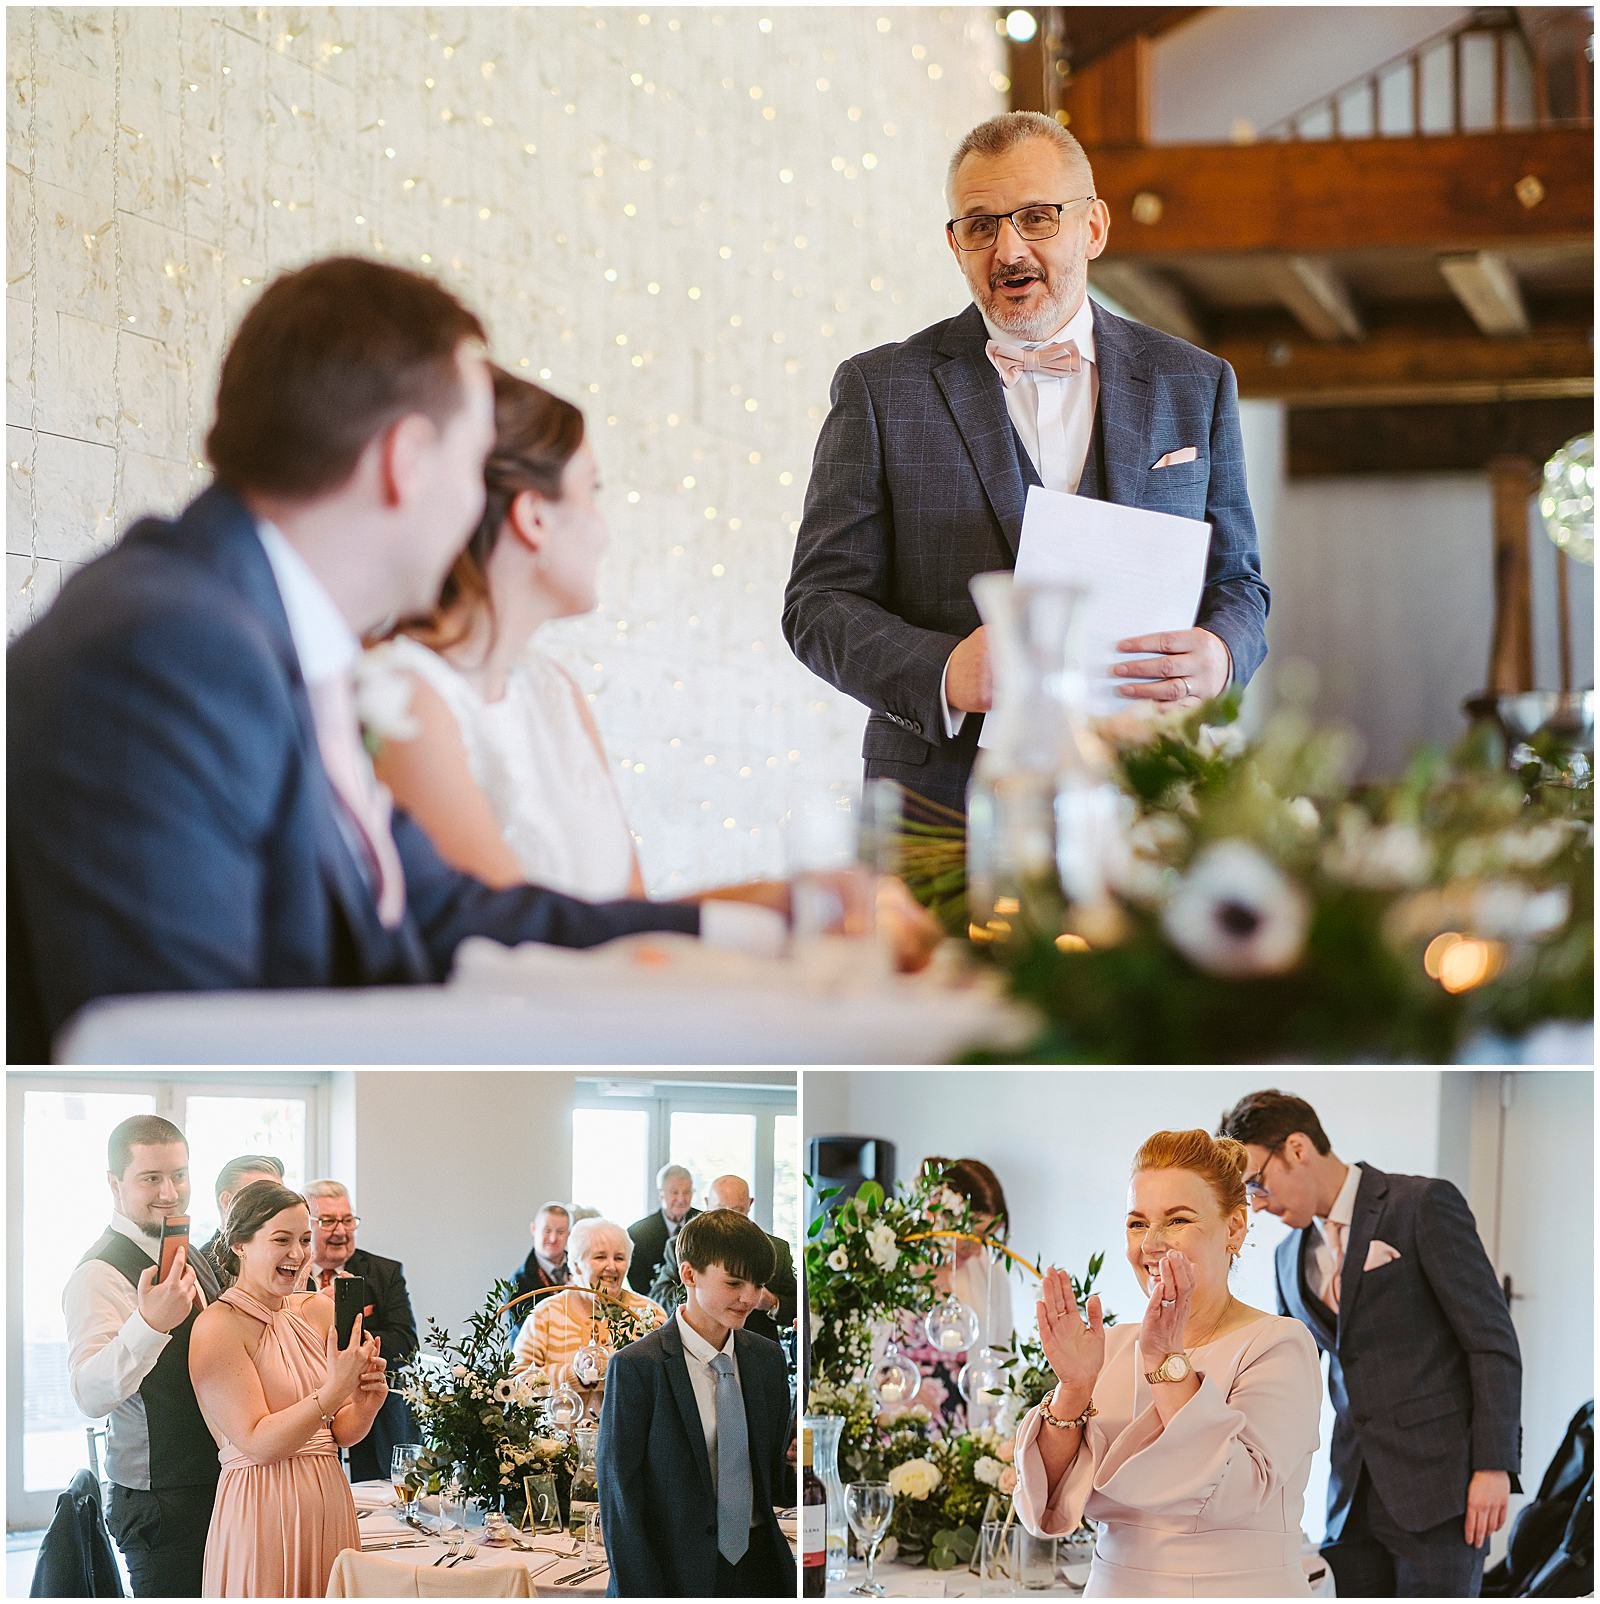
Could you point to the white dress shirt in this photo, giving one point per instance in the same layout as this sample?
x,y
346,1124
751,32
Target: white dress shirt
x,y
111,1348
1053,414
1341,1213
698,1354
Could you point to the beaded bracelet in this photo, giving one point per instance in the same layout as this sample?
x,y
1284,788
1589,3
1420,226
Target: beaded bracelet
x,y
1068,1425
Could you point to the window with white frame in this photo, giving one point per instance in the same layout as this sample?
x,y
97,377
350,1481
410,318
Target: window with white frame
x,y
59,1203
624,1131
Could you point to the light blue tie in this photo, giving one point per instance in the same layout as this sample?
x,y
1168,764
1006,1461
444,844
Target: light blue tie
x,y
733,1464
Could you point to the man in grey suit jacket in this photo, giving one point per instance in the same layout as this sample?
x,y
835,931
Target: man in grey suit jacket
x,y
1423,1365
693,1432
923,465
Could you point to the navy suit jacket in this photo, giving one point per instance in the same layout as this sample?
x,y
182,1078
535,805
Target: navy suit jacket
x,y
1423,1365
919,484
658,1505
170,826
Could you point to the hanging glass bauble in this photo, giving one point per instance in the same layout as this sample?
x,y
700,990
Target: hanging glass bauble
x,y
1566,498
951,1326
982,1380
589,1363
565,1407
894,1380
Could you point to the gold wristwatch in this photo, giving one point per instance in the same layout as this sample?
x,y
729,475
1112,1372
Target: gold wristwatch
x,y
1175,1367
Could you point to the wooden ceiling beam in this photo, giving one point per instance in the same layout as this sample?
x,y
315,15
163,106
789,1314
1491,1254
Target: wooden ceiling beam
x,y
1486,286
1440,438
1407,358
1317,297
1454,192
1148,297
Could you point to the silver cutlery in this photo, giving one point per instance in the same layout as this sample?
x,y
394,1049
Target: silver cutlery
x,y
580,1576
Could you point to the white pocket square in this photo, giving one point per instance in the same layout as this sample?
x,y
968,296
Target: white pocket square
x,y
1379,1254
1174,458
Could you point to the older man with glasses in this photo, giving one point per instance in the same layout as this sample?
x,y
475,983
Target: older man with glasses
x,y
924,464
1424,1371
387,1314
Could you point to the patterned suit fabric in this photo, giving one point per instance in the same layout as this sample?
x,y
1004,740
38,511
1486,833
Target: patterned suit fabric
x,y
916,488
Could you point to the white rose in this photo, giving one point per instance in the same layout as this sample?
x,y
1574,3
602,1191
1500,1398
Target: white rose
x,y
916,1478
882,1247
1220,740
988,1471
839,1259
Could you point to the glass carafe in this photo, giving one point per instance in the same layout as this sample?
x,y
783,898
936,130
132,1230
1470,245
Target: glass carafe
x,y
1042,813
825,1432
585,1495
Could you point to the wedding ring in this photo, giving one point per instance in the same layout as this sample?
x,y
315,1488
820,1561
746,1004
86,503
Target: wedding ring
x,y
1167,1303
1188,690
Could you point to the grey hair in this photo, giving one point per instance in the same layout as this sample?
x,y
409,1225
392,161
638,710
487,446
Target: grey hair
x,y
585,1231
1000,134
553,1208
672,1172
327,1189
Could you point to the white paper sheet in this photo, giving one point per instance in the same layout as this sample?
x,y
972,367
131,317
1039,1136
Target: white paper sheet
x,y
1143,572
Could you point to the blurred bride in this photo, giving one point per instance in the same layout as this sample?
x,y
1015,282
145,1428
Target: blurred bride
x,y
1188,1438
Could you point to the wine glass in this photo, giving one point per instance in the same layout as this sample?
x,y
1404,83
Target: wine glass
x,y
868,1506
403,1476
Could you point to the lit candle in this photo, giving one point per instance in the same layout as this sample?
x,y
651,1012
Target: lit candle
x,y
892,1391
950,1341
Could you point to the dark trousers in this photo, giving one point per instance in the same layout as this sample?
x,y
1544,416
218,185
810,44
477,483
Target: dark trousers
x,y
1375,1558
162,1537
762,1573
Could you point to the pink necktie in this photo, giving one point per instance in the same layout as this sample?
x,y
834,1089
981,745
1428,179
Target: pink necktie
x,y
333,707
1012,360
1330,1295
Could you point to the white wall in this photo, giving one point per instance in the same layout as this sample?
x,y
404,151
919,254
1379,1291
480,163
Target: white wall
x,y
682,220
1060,1140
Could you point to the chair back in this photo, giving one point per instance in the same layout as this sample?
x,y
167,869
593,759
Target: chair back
x,y
98,1435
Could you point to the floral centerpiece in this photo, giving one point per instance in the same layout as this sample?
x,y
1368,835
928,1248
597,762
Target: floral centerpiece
x,y
1280,910
872,1258
480,1423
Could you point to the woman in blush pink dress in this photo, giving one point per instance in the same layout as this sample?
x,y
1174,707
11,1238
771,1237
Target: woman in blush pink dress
x,y
1187,1438
280,1397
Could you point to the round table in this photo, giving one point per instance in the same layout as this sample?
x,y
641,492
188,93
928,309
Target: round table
x,y
378,1571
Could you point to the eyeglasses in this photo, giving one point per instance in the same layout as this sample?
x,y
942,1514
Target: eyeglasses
x,y
328,1221
1253,1185
1039,221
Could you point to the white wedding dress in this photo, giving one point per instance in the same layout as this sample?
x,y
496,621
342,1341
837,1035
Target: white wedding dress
x,y
537,765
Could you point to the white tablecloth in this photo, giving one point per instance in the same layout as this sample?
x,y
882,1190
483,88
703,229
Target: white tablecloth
x,y
492,1573
549,1006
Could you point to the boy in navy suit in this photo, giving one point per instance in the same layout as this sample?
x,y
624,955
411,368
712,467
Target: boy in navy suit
x,y
693,1432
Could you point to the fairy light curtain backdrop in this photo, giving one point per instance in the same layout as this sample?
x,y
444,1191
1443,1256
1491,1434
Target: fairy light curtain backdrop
x,y
681,220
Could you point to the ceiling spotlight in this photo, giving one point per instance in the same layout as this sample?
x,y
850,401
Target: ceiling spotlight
x,y
1021,26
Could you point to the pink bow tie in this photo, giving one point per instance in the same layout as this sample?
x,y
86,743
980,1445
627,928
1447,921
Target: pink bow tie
x,y
1012,360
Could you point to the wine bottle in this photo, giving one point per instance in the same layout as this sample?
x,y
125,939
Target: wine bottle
x,y
813,1525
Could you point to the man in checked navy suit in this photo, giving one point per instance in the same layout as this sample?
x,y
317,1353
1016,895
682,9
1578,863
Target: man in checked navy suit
x,y
924,462
1423,1365
693,1431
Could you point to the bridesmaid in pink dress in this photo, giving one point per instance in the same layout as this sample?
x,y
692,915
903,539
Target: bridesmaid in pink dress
x,y
280,1397
1187,1439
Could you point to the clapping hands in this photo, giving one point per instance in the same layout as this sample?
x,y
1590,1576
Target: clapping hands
x,y
1167,1313
1074,1347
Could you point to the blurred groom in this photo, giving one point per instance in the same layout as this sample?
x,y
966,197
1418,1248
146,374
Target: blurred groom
x,y
1423,1364
924,464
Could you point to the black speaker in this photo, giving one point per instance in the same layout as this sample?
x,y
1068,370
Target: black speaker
x,y
845,1162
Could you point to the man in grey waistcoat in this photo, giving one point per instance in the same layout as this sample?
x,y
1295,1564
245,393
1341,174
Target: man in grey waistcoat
x,y
1423,1364
924,462
128,1358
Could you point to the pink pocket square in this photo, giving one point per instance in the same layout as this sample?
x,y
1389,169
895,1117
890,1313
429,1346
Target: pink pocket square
x,y
1379,1254
1174,458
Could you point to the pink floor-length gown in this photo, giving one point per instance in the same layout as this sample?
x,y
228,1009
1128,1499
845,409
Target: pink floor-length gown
x,y
278,1525
1210,1505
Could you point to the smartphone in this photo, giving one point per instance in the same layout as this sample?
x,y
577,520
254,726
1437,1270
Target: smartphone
x,y
349,1299
174,1235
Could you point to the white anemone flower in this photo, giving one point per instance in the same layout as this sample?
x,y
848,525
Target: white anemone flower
x,y
1235,915
839,1259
